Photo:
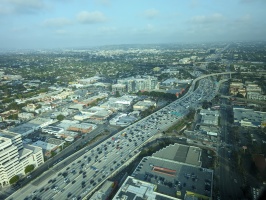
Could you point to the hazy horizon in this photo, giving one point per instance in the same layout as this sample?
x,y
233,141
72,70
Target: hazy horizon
x,y
31,24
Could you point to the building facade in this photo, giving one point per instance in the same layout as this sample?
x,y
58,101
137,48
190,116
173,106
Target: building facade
x,y
140,83
14,157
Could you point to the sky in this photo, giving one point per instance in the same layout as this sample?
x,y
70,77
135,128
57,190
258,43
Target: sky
x,y
31,24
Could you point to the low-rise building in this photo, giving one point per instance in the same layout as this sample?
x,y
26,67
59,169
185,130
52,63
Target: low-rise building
x,y
120,103
209,117
249,117
121,88
47,148
31,126
175,179
181,153
104,191
25,116
144,105
256,96
136,189
93,113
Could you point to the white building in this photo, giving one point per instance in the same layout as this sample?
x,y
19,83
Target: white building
x,y
31,126
120,103
25,116
144,105
140,83
14,157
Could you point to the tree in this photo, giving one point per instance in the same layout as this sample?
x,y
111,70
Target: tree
x,y
239,95
60,117
14,116
14,179
205,104
29,168
117,94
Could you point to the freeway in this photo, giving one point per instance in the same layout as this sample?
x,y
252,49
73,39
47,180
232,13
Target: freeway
x,y
81,177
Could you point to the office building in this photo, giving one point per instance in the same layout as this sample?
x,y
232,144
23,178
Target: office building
x,y
15,157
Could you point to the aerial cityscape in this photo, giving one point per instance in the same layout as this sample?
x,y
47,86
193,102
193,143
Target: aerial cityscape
x,y
166,102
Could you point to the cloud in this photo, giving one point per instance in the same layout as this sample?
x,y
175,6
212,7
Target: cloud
x,y
151,13
204,19
24,6
91,17
57,22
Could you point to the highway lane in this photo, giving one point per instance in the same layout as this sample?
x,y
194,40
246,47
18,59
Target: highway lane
x,y
162,119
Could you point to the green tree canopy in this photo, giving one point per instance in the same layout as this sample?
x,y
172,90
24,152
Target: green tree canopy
x,y
29,168
60,117
117,94
14,179
239,95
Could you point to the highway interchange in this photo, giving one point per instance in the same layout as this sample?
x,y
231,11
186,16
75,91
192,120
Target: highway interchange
x,y
81,177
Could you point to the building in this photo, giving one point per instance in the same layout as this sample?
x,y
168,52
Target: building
x,y
25,116
8,113
120,103
180,153
82,127
175,179
249,117
89,80
15,157
173,172
256,96
91,100
209,117
31,126
93,113
126,120
237,87
144,105
121,88
53,130
136,189
104,192
47,148
140,83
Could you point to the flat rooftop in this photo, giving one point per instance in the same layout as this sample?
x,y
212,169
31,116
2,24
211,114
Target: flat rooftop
x,y
137,190
172,177
44,145
180,153
255,117
7,134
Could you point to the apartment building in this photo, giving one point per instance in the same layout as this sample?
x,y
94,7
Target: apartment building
x,y
139,83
